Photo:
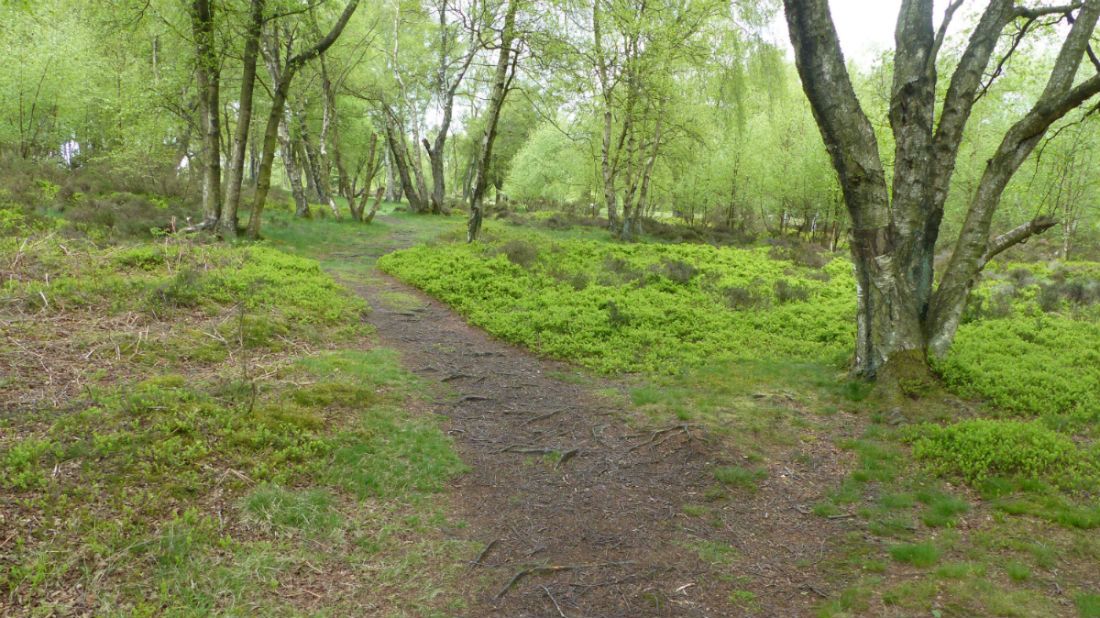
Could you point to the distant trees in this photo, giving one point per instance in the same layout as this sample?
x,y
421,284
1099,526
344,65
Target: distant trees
x,y
634,108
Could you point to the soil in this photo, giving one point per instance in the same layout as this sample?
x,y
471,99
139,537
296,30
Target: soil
x,y
580,508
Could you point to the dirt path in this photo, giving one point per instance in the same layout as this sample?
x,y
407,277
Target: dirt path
x,y
580,513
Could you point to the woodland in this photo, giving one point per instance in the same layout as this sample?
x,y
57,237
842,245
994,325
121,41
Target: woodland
x,y
548,307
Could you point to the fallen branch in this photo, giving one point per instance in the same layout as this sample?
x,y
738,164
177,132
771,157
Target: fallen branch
x,y
566,456
554,601
473,398
484,553
456,376
546,570
525,450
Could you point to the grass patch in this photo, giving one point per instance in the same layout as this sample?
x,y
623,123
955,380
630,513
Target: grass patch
x,y
916,554
741,477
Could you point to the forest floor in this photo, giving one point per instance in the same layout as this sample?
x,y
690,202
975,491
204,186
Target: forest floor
x,y
199,429
583,508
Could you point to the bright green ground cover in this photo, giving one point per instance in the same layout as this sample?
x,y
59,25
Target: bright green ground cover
x,y
639,308
233,437
667,308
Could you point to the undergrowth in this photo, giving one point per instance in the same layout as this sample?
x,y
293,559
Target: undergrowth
x,y
174,443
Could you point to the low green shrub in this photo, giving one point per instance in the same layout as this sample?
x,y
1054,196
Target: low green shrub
x,y
980,448
656,308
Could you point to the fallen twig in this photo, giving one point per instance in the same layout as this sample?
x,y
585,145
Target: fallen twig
x,y
484,553
473,398
456,376
554,601
566,456
544,416
545,570
524,450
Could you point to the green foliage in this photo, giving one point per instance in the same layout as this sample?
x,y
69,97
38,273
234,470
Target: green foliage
x,y
644,308
979,448
1041,363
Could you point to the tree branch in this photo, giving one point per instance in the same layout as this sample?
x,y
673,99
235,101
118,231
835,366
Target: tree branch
x,y
1017,235
1040,11
298,61
942,32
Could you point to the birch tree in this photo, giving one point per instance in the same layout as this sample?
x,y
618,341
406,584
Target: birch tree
x,y
903,319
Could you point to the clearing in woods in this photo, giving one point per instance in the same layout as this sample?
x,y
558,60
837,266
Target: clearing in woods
x,y
582,508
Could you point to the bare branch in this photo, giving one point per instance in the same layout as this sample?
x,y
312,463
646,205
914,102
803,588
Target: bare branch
x,y
1017,235
942,32
1092,57
1040,11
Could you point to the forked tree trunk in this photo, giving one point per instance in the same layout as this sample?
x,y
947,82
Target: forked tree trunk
x,y
901,319
293,171
228,223
278,102
501,81
209,77
316,162
399,157
606,172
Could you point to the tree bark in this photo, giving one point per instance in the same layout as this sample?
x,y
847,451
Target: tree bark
x,y
332,125
228,223
281,89
293,171
607,173
209,77
392,191
501,81
447,90
399,157
316,162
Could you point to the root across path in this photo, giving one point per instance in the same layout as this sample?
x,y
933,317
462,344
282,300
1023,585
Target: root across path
x,y
580,510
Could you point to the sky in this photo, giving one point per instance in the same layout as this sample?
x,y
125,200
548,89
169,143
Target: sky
x,y
865,27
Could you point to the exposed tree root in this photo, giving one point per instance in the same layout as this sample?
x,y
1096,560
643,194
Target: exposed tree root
x,y
668,432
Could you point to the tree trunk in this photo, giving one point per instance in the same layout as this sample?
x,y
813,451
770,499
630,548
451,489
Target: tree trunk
x,y
399,157
501,81
228,224
281,89
293,171
392,191
374,208
900,320
606,170
316,160
369,173
332,124
209,77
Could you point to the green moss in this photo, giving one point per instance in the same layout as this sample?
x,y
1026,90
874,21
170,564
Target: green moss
x,y
325,394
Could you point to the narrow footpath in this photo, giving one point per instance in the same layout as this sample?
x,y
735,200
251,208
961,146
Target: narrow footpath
x,y
580,511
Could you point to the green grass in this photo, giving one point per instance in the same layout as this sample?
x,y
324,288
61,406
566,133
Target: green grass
x,y
740,477
1088,605
916,554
